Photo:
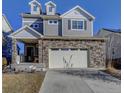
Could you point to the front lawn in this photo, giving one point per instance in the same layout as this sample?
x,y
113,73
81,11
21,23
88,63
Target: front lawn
x,y
22,83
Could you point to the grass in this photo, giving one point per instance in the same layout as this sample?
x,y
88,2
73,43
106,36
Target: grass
x,y
22,83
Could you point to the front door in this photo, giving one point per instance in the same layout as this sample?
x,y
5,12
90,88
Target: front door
x,y
30,54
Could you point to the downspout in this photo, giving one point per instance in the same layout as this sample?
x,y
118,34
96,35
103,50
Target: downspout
x,y
107,51
42,52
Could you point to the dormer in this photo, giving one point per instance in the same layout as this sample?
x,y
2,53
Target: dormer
x,y
50,8
35,7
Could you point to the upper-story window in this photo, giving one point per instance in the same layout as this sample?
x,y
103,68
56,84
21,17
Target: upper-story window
x,y
50,9
53,22
35,7
35,25
77,24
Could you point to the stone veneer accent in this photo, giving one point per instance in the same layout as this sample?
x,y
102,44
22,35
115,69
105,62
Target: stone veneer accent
x,y
96,50
14,50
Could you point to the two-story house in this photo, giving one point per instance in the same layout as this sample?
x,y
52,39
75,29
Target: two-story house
x,y
59,40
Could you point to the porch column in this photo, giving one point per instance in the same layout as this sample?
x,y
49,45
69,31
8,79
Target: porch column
x,y
40,51
14,51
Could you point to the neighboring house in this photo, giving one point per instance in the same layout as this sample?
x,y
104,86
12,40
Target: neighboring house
x,y
113,43
6,28
59,41
6,41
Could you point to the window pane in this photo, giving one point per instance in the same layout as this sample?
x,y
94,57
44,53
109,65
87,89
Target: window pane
x,y
55,22
35,25
35,8
74,24
50,9
51,21
77,24
80,24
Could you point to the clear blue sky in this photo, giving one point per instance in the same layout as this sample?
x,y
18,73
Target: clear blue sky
x,y
107,12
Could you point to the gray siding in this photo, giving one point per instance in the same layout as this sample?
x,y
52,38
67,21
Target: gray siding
x,y
116,46
113,43
69,32
52,30
61,29
31,21
103,33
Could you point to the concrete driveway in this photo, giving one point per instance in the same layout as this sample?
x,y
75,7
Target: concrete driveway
x,y
79,82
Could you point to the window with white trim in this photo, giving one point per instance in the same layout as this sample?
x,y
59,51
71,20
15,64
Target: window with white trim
x,y
35,25
53,22
77,24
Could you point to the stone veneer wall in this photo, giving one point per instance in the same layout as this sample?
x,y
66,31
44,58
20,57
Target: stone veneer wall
x,y
96,48
14,50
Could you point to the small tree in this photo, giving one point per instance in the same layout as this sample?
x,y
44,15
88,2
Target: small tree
x,y
68,64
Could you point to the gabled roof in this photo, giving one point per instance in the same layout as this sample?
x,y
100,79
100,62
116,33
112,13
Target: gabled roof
x,y
113,30
78,7
34,1
50,2
22,30
3,15
107,32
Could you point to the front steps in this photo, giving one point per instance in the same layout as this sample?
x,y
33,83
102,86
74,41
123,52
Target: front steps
x,y
27,67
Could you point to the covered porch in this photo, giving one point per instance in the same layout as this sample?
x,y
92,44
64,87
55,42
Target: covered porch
x,y
30,52
29,38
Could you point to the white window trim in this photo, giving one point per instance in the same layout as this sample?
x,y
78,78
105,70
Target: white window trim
x,y
77,20
53,22
33,25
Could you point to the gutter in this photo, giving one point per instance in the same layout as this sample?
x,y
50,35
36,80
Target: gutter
x,y
74,38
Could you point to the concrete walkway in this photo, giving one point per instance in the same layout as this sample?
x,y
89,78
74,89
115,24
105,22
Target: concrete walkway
x,y
56,82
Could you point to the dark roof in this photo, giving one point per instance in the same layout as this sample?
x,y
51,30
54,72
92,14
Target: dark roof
x,y
113,30
44,13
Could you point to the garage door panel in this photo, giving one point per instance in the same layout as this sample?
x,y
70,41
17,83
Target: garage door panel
x,y
54,59
67,58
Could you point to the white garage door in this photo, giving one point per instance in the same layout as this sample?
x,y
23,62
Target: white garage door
x,y
67,58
